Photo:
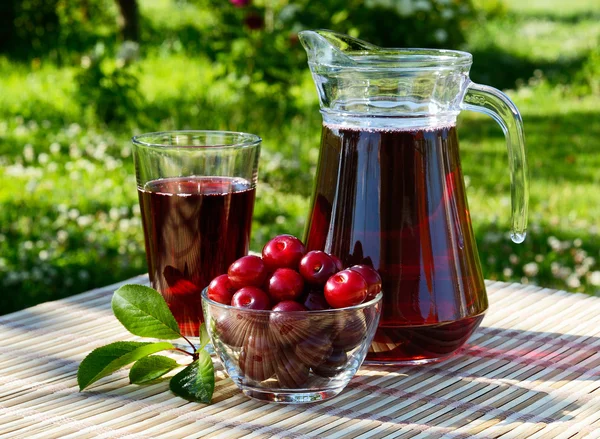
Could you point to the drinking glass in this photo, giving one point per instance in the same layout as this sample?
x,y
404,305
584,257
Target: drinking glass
x,y
196,191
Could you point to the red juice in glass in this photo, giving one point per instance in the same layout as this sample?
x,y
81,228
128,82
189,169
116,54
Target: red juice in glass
x,y
196,191
195,227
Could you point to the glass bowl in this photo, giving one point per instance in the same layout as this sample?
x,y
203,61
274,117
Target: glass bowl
x,y
291,357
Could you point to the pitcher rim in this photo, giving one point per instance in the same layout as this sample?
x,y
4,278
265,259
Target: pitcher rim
x,y
400,58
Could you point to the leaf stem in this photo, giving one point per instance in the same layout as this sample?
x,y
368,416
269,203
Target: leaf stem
x,y
191,344
184,351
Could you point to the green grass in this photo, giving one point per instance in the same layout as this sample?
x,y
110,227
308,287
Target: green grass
x,y
69,219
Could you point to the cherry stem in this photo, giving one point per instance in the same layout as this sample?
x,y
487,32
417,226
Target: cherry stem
x,y
184,351
191,344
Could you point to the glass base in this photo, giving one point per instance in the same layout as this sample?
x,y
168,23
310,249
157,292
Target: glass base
x,y
290,396
415,362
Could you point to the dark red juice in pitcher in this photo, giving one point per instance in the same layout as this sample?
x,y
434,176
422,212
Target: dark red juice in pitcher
x,y
395,199
195,227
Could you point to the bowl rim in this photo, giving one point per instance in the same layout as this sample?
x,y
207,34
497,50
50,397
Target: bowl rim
x,y
360,306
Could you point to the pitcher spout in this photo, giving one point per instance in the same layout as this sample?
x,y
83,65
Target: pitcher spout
x,y
331,48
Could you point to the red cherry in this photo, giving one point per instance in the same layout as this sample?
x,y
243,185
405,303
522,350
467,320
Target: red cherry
x,y
338,262
314,350
288,328
257,357
333,365
285,284
251,298
230,329
346,288
316,267
315,302
291,372
283,251
220,290
372,277
247,271
351,329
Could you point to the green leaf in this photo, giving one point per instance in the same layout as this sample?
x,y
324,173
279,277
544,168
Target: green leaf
x,y
197,381
144,312
204,338
150,368
107,359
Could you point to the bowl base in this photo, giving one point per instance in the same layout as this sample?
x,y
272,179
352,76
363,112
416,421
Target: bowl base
x,y
284,396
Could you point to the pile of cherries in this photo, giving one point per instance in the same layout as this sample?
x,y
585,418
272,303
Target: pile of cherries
x,y
285,344
287,278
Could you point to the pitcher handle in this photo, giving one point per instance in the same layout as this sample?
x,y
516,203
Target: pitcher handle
x,y
493,102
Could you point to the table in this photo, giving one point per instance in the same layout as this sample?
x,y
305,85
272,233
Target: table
x,y
531,371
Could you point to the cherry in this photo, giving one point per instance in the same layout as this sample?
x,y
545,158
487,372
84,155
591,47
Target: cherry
x,y
220,290
371,277
251,298
288,306
283,251
257,357
333,365
290,371
346,288
351,329
314,350
230,329
288,328
316,267
285,284
315,302
338,262
247,271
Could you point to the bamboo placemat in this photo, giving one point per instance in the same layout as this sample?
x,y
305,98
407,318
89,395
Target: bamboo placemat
x,y
531,371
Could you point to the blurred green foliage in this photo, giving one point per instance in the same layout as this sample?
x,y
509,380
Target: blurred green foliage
x,y
72,93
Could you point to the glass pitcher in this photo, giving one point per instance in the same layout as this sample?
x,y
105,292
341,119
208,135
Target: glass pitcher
x,y
389,187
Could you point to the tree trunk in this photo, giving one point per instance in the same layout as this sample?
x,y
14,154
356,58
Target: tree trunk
x,y
129,20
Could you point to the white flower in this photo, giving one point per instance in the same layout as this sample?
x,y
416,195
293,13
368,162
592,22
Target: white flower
x,y
422,5
62,236
577,242
405,8
440,35
507,272
531,269
55,148
513,259
554,243
84,221
28,153
447,14
113,213
43,158
573,281
43,255
73,214
594,278
74,152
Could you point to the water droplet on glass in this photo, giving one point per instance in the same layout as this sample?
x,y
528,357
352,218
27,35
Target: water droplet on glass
x,y
518,238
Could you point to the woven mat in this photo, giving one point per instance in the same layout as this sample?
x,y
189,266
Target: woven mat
x,y
531,371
